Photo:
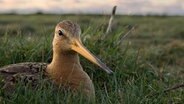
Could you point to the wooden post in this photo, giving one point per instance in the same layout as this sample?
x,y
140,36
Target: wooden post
x,y
109,28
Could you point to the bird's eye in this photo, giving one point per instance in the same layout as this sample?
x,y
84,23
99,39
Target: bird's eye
x,y
60,33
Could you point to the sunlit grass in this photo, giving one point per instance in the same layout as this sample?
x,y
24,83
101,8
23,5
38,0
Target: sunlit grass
x,y
147,62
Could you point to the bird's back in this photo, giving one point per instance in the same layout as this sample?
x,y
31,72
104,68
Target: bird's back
x,y
29,72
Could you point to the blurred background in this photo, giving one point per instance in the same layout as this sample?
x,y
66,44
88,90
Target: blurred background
x,y
139,7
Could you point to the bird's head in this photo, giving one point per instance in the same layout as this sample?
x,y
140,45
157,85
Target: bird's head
x,y
67,40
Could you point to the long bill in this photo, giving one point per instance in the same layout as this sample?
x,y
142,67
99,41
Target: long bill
x,y
79,48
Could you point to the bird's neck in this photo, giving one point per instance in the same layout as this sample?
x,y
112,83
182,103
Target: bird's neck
x,y
64,67
63,58
63,62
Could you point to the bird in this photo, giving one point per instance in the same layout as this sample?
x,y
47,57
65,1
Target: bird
x,y
64,69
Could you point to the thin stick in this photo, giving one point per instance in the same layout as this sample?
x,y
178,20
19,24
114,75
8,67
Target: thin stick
x,y
124,36
109,28
174,87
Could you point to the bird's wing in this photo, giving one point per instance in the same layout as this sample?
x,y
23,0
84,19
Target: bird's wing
x,y
28,72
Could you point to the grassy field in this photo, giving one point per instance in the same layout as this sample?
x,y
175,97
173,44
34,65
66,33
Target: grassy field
x,y
146,63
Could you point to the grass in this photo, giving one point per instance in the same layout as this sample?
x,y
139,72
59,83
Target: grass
x,y
148,61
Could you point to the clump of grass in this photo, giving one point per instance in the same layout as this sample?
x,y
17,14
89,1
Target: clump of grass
x,y
138,75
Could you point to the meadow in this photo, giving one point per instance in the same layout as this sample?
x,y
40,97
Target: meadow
x,y
147,64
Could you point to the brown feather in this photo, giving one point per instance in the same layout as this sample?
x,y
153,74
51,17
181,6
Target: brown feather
x,y
28,72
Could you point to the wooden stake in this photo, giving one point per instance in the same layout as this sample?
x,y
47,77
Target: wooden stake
x,y
109,28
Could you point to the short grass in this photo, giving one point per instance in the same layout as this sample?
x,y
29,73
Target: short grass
x,y
148,61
